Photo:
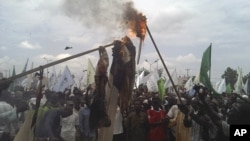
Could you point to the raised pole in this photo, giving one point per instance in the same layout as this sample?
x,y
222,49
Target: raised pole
x,y
171,80
51,64
139,52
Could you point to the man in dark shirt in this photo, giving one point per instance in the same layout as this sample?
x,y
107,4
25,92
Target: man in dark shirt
x,y
49,125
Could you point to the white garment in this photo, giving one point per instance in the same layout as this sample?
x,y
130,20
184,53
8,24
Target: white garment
x,y
8,118
172,113
226,128
68,124
118,127
196,132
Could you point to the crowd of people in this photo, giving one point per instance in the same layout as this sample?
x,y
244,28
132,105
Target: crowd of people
x,y
64,116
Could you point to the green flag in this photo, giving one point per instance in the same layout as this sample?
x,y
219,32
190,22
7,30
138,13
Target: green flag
x,y
161,88
25,66
13,71
228,89
12,85
205,69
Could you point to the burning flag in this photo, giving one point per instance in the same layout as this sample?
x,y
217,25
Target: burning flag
x,y
123,70
137,24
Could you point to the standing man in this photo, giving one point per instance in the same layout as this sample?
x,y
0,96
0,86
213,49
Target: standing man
x,y
137,123
69,124
87,134
49,125
157,121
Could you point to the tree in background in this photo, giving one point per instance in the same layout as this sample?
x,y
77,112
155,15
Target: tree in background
x,y
231,76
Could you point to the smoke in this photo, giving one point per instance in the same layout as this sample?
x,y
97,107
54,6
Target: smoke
x,y
112,15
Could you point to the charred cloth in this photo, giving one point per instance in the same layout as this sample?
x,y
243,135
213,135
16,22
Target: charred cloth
x,y
123,69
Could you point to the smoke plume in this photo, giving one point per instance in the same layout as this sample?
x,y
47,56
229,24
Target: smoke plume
x,y
112,15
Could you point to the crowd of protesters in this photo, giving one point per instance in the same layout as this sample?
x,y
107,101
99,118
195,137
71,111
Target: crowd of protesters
x,y
64,116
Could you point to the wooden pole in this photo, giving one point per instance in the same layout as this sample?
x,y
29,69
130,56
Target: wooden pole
x,y
171,80
139,52
51,64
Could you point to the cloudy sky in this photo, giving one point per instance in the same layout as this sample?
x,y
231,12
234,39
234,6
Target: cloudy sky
x,y
183,29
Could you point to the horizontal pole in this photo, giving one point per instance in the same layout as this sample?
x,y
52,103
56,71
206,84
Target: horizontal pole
x,y
51,64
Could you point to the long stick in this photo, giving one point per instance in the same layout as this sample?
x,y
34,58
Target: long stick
x,y
51,64
139,51
171,80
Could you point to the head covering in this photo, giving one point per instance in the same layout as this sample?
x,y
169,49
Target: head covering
x,y
32,101
184,101
145,101
245,96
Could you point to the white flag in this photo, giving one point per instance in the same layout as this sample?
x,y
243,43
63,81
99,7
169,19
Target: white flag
x,y
174,78
139,79
189,84
222,87
197,79
26,83
52,79
217,84
238,86
246,87
90,73
65,81
151,82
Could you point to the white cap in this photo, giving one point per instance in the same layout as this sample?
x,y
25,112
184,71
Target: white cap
x,y
245,96
32,100
145,101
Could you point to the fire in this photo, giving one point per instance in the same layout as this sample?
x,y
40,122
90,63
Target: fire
x,y
137,26
135,21
140,26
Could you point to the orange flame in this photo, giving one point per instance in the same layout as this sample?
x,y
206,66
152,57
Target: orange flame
x,y
138,26
135,20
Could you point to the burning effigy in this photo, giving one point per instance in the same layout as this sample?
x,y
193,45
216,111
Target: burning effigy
x,y
123,69
123,64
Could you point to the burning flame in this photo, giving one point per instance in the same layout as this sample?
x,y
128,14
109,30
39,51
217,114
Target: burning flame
x,y
137,26
136,21
140,26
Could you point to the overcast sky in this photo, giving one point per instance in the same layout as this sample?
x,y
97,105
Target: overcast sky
x,y
183,29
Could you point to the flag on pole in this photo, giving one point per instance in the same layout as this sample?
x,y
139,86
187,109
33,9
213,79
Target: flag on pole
x,y
238,86
151,81
25,66
246,87
206,68
189,84
161,88
65,81
13,71
228,89
27,82
168,83
13,84
217,85
139,79
90,73
197,79
222,87
52,79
